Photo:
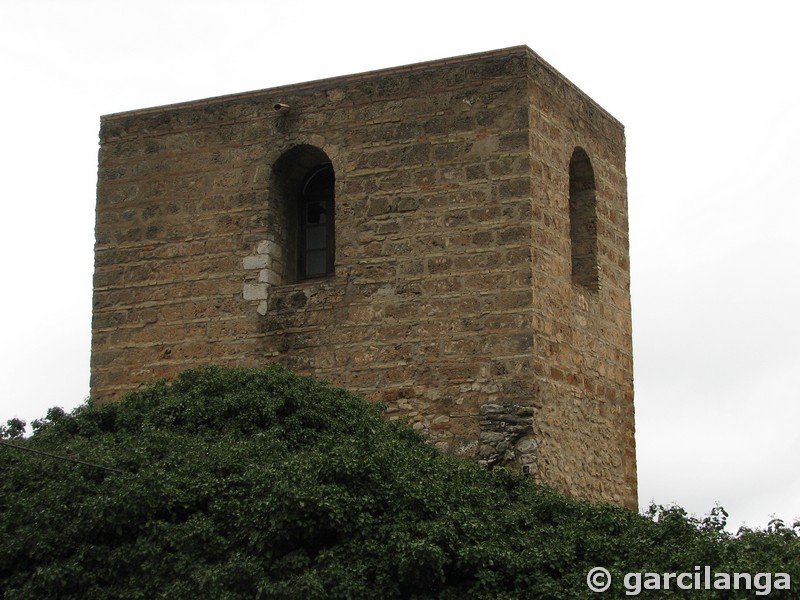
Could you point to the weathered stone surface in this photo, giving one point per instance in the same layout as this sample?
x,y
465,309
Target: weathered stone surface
x,y
462,207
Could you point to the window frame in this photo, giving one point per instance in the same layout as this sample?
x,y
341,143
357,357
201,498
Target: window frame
x,y
306,197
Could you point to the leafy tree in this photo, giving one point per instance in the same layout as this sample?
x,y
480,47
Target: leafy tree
x,y
261,484
13,429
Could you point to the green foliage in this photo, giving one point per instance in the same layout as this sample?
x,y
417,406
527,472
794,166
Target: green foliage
x,y
13,429
261,484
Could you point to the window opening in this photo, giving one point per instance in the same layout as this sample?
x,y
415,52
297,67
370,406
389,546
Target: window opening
x,y
316,239
583,221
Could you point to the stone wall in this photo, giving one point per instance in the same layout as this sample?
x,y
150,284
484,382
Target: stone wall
x,y
453,299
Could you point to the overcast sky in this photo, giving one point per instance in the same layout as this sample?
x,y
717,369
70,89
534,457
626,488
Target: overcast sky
x,y
710,98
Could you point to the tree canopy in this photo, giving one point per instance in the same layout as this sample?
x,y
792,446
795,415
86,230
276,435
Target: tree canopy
x,y
240,483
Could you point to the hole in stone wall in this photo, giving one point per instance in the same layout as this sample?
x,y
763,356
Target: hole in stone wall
x,y
583,221
303,202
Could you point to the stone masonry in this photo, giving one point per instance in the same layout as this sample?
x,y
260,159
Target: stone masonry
x,y
449,238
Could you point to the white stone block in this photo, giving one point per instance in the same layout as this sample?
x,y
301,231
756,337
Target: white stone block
x,y
255,291
260,261
270,277
270,248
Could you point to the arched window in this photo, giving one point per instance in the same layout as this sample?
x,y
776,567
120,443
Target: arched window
x,y
316,235
583,221
302,208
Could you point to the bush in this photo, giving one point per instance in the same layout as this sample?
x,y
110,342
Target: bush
x,y
233,483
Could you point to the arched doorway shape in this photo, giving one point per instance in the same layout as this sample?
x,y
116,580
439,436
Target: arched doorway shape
x,y
305,184
583,221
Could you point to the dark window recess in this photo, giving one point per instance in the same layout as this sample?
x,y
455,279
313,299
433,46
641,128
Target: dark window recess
x,y
583,221
316,252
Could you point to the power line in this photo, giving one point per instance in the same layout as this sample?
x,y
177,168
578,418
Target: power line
x,y
60,457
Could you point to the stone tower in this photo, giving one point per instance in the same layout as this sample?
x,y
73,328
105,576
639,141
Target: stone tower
x,y
449,238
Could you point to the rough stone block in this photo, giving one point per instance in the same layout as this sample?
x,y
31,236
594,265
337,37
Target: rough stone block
x,y
255,291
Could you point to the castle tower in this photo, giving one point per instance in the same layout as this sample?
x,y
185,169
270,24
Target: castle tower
x,y
449,238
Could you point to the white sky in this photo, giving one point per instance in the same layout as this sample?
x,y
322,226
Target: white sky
x,y
708,92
